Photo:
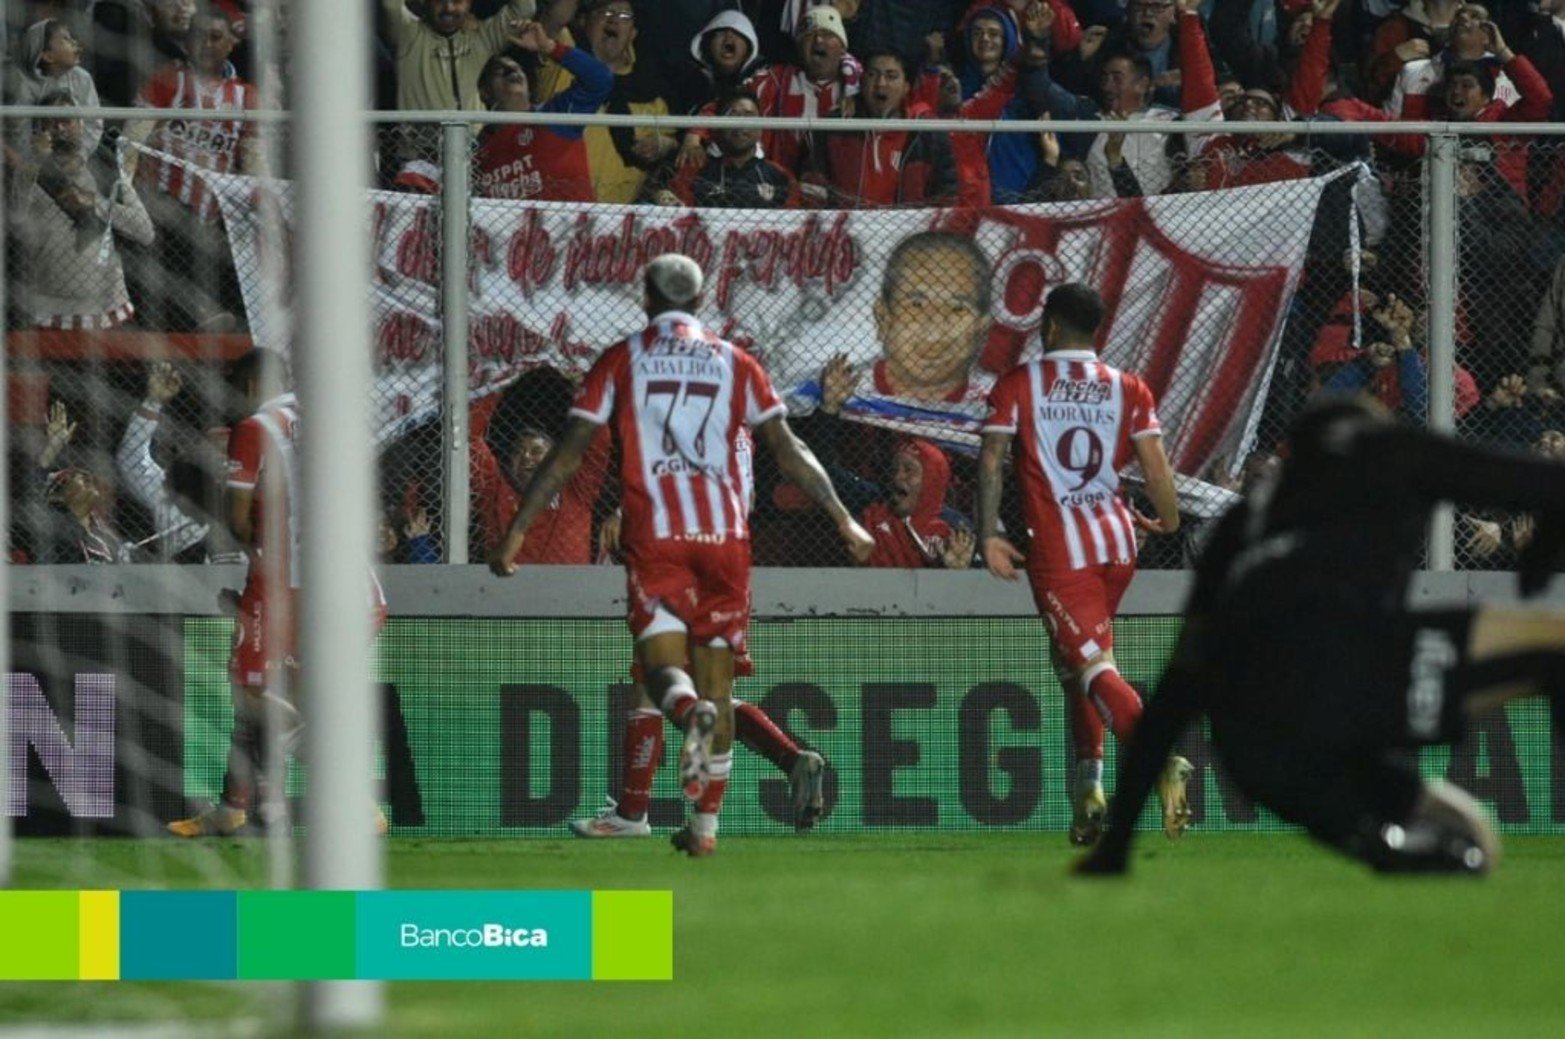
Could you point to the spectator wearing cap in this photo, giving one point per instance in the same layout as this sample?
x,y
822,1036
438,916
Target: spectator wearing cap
x,y
51,64
825,74
419,177
1125,88
542,162
441,51
72,210
739,176
620,158
873,169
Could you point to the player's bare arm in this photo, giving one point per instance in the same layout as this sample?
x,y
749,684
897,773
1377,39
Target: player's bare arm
x,y
553,474
801,468
241,516
1000,556
1159,476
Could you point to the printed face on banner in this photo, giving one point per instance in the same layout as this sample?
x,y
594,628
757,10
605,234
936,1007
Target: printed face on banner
x,y
932,315
929,306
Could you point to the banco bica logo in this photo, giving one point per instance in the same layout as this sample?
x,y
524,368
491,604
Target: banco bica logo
x,y
484,936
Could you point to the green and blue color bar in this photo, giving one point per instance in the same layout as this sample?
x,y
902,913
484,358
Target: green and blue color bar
x,y
336,935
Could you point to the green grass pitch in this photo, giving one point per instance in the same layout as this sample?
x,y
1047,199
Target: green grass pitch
x,y
937,935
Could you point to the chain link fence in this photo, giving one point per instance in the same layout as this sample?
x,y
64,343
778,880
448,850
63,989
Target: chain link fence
x,y
1243,274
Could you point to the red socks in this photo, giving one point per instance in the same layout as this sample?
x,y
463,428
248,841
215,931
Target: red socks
x,y
1086,725
1117,703
643,754
758,732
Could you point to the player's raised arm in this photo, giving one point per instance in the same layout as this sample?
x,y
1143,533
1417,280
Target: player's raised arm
x,y
1159,475
553,474
1000,556
801,468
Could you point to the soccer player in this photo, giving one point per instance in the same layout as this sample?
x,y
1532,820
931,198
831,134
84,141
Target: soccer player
x,y
676,396
262,492
263,487
1317,679
643,739
1080,422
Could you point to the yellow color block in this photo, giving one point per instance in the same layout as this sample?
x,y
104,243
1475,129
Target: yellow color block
x,y
632,936
99,919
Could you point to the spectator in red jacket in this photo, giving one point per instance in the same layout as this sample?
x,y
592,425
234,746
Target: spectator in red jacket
x,y
1468,96
881,168
910,522
1418,83
562,534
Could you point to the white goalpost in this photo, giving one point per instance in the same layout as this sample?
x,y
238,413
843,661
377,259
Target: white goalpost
x,y
332,364
6,835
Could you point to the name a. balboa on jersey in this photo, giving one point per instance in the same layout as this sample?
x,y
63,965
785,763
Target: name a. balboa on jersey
x,y
684,367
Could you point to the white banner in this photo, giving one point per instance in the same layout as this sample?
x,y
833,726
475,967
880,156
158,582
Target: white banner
x,y
1197,287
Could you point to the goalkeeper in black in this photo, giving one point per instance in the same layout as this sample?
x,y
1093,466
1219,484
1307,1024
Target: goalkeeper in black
x,y
1319,683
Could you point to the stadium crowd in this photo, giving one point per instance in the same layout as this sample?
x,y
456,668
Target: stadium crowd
x,y
105,233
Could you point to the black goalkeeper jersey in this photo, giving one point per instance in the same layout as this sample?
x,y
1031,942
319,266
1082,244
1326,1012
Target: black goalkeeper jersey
x,y
1300,594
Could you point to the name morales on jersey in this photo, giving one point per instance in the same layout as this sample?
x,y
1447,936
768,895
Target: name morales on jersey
x,y
1075,392
1077,414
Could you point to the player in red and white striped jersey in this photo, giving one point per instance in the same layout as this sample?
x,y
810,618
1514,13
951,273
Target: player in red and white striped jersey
x,y
263,496
1077,423
676,397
